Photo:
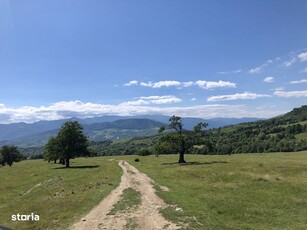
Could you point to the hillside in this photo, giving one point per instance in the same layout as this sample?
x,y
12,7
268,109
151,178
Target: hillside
x,y
119,129
284,133
99,128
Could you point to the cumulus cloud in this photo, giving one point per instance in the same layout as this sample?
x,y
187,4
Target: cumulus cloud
x,y
288,94
230,72
160,84
133,82
187,84
68,109
299,81
201,83
237,96
215,84
148,84
268,79
158,100
302,56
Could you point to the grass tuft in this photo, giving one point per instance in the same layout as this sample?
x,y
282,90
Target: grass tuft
x,y
130,199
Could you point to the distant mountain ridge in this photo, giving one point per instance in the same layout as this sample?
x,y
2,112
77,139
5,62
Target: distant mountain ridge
x,y
100,128
285,133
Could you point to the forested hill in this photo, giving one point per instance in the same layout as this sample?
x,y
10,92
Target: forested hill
x,y
284,133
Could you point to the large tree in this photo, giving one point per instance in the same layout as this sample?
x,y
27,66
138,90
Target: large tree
x,y
9,154
52,150
69,143
179,141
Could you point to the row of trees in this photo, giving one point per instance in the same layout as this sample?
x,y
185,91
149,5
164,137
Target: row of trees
x,y
70,142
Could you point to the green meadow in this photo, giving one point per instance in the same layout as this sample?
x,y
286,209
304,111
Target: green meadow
x,y
58,195
243,191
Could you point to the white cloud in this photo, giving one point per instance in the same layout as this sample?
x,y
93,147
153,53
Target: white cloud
x,y
201,83
133,82
160,84
193,99
290,62
237,96
187,84
279,89
299,82
162,99
215,84
302,56
260,68
230,72
268,79
148,84
137,102
291,93
68,109
255,70
158,100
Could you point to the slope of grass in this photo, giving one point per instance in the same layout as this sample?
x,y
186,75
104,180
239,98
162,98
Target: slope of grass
x,y
59,196
301,136
246,191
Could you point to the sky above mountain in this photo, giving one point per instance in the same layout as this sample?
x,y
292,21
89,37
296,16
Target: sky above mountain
x,y
85,58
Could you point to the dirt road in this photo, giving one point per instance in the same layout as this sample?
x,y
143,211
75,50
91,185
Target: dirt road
x,y
146,216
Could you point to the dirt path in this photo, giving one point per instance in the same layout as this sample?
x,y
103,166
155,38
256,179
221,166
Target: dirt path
x,y
146,216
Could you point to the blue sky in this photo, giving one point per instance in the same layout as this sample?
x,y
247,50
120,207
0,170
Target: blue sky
x,y
62,58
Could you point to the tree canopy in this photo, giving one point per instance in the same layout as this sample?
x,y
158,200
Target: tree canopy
x,y
70,142
9,155
179,140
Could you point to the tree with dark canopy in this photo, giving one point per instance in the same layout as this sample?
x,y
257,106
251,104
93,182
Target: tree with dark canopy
x,y
9,154
69,143
180,141
52,150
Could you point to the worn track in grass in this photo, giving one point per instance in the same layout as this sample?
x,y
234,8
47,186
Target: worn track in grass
x,y
147,214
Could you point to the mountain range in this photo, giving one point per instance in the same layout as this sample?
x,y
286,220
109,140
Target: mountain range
x,y
100,128
285,133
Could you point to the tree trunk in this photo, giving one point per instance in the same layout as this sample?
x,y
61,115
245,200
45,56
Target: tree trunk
x,y
181,158
182,151
67,163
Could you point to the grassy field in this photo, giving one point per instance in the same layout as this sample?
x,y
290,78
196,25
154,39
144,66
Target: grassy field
x,y
59,196
247,191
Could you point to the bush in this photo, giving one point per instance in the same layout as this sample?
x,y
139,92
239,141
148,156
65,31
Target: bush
x,y
144,152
